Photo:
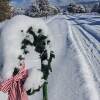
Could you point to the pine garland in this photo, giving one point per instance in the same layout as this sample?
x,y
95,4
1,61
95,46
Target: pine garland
x,y
40,46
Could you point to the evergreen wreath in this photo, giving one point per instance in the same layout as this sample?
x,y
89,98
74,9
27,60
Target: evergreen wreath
x,y
40,41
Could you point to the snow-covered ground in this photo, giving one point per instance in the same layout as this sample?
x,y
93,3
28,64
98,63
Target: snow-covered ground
x,y
78,76
76,68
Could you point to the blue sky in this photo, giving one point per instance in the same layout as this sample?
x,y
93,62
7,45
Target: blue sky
x,y
17,1
20,2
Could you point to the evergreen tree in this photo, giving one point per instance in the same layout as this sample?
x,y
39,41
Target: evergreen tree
x,y
43,5
4,9
32,11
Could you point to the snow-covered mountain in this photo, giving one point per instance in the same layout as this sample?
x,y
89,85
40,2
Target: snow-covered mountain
x,y
60,2
66,2
55,2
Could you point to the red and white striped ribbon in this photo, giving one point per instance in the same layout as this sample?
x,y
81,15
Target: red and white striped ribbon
x,y
14,86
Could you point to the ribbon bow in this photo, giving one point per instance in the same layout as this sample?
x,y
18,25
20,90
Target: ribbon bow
x,y
14,86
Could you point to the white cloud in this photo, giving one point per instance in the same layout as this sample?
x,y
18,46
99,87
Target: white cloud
x,y
13,3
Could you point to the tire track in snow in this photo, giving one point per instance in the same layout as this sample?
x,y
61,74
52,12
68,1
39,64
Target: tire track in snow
x,y
94,52
95,47
86,68
87,27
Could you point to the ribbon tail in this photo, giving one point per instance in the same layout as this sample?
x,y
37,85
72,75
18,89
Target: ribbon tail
x,y
12,95
24,95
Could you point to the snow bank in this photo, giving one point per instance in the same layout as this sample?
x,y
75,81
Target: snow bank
x,y
12,34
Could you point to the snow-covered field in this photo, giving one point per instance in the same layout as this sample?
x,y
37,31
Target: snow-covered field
x,y
76,68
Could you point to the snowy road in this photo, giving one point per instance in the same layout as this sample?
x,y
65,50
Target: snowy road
x,y
86,59
76,69
66,81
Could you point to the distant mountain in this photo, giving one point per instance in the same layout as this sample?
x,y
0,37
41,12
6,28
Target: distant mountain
x,y
88,1
60,2
55,2
66,2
